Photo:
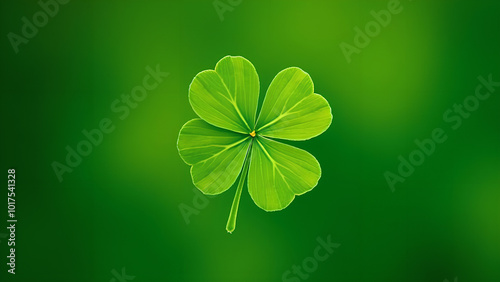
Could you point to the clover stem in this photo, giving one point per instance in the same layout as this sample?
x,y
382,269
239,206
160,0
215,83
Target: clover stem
x,y
231,221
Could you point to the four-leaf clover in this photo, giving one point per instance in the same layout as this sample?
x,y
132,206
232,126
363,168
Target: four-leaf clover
x,y
229,139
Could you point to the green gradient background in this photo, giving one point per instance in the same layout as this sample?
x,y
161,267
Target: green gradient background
x,y
120,207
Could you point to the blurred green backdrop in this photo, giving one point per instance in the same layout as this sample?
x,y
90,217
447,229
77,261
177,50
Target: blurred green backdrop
x,y
119,208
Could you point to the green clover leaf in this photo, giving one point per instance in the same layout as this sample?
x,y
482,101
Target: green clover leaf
x,y
228,140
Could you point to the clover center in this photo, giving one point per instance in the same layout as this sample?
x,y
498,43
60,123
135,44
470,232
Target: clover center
x,y
253,133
